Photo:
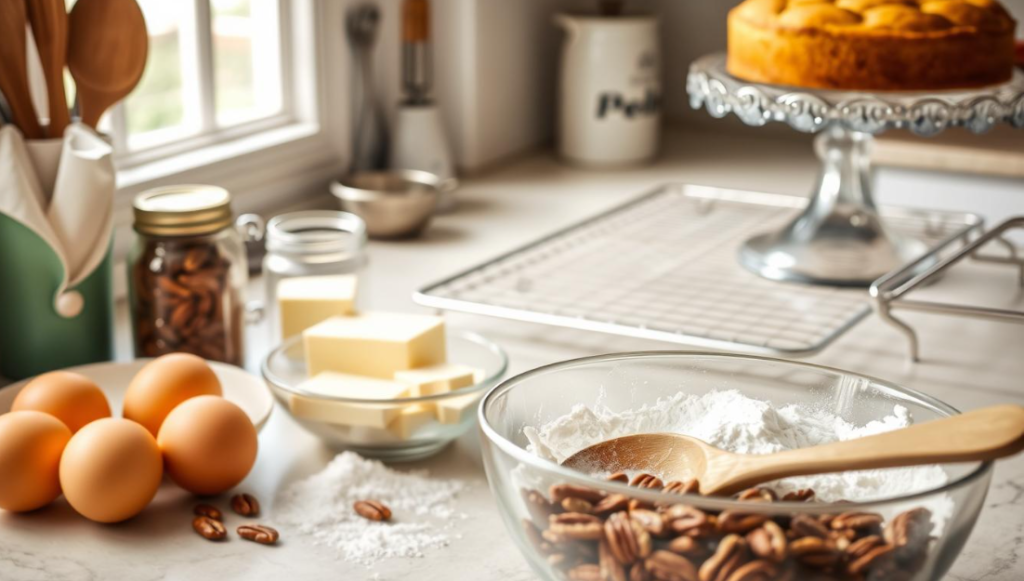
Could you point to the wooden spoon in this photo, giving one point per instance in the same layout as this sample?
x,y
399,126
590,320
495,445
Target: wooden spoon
x,y
107,46
49,23
14,69
984,434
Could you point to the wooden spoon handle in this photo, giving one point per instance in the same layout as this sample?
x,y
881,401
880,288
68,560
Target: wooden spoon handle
x,y
50,29
985,434
13,69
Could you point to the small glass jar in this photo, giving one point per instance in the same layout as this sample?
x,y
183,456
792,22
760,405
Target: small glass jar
x,y
188,273
311,243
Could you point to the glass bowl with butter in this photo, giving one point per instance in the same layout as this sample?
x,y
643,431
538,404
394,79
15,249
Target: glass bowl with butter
x,y
379,412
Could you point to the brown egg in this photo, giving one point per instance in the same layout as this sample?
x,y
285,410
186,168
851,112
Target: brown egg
x,y
209,445
31,443
110,470
71,398
164,383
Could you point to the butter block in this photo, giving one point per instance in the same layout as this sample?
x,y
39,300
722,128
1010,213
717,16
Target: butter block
x,y
348,386
454,410
437,378
410,419
305,301
374,344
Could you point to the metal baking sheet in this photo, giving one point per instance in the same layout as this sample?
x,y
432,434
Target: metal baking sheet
x,y
663,266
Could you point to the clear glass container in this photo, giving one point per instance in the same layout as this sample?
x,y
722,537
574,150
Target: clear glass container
x,y
305,244
285,371
914,537
187,274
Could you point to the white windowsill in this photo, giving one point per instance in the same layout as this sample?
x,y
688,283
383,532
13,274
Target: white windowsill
x,y
197,160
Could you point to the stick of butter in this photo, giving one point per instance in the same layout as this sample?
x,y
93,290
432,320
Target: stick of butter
x,y
332,384
410,419
307,300
437,378
374,344
454,410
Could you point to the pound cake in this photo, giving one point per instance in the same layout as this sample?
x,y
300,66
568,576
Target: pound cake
x,y
875,45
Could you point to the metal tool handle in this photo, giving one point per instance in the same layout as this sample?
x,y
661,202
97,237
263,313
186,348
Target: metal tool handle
x,y
890,292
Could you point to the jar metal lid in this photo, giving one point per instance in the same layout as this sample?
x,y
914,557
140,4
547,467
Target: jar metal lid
x,y
185,210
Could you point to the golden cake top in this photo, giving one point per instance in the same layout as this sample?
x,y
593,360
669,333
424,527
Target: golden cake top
x,y
907,17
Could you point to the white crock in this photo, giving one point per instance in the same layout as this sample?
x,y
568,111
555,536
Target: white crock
x,y
609,90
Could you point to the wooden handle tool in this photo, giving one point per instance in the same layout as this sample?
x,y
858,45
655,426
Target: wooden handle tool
x,y
107,46
14,68
49,23
985,434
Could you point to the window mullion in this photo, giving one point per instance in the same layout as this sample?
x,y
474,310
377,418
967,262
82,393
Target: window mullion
x,y
204,66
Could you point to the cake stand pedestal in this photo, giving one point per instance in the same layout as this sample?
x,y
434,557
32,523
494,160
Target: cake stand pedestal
x,y
840,239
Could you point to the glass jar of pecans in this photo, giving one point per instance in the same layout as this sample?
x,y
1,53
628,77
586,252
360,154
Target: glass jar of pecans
x,y
188,273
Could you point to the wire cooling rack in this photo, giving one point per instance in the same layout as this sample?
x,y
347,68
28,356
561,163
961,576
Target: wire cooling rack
x,y
664,267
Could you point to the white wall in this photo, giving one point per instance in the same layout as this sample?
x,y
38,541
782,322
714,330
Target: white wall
x,y
496,63
517,63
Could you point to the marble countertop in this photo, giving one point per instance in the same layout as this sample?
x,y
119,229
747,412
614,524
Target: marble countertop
x,y
967,363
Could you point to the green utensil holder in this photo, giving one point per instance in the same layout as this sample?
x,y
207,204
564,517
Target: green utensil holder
x,y
34,338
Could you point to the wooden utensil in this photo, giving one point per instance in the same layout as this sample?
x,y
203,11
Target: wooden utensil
x,y
14,68
107,46
985,434
49,23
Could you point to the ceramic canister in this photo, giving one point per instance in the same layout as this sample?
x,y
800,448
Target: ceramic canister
x,y
609,90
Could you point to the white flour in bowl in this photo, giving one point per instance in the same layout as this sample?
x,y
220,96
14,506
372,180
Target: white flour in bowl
x,y
734,422
320,507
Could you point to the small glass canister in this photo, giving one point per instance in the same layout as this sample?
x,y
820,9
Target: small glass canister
x,y
314,243
188,273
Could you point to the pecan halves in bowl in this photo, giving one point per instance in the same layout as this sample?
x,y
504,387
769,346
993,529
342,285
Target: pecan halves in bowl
x,y
768,542
668,566
576,526
627,539
731,554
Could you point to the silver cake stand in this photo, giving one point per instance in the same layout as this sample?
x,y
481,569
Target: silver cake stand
x,y
839,239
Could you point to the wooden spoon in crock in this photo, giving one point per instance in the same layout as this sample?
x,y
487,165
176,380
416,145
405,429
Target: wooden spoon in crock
x,y
107,47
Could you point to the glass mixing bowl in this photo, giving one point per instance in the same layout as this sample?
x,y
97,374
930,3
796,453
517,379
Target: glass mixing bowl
x,y
571,525
448,415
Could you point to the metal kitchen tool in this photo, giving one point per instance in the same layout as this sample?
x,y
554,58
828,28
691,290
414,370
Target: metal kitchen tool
x,y
663,267
419,141
369,142
891,292
14,69
107,48
840,238
395,203
417,72
980,435
49,22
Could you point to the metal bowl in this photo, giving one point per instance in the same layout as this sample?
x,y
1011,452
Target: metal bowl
x,y
393,203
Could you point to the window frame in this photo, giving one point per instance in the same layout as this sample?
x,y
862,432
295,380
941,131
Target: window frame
x,y
209,133
293,150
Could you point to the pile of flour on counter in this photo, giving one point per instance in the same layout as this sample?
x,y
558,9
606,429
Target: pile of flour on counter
x,y
321,507
734,422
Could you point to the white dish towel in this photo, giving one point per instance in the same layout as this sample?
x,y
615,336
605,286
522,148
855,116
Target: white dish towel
x,y
63,191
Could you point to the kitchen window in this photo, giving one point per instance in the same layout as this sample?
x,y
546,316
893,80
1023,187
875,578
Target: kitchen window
x,y
234,94
214,73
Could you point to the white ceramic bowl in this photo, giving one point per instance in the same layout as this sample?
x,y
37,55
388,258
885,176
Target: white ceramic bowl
x,y
240,387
